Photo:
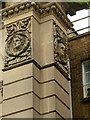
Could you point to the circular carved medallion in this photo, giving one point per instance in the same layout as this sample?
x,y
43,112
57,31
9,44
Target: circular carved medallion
x,y
17,43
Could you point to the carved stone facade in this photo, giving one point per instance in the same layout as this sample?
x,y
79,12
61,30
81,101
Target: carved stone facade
x,y
40,8
35,83
60,46
18,42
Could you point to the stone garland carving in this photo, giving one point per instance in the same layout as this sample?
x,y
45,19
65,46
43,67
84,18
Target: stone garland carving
x,y
60,46
18,42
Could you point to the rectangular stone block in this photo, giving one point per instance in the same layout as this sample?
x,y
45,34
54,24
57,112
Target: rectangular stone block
x,y
47,53
47,89
30,113
24,114
36,103
18,88
47,74
61,79
36,40
46,32
36,72
36,114
47,104
17,73
62,95
53,115
36,87
46,39
62,109
17,104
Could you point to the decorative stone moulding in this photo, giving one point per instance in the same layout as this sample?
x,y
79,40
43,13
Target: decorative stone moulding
x,y
60,46
38,7
18,42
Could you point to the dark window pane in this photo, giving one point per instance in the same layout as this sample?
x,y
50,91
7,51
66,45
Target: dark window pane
x,y
87,66
88,91
87,77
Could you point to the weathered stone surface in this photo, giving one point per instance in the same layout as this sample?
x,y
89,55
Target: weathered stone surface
x,y
60,46
18,42
35,50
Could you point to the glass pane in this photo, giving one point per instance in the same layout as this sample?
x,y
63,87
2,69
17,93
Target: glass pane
x,y
87,67
88,77
87,90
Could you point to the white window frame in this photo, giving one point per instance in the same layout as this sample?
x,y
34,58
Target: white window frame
x,y
85,85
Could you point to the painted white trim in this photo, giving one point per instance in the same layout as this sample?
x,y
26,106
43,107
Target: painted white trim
x,y
69,75
85,85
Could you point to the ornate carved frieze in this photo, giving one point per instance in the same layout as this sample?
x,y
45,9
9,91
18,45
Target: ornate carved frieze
x,y
60,46
18,42
40,8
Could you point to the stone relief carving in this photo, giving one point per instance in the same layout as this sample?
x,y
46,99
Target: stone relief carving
x,y
40,8
60,46
18,42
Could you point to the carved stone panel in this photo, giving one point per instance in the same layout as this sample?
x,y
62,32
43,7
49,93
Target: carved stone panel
x,y
60,46
18,42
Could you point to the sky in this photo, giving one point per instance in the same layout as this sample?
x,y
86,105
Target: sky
x,y
82,23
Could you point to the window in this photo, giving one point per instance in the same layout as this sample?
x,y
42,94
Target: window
x,y
86,78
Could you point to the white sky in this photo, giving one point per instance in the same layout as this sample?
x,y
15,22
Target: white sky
x,y
82,23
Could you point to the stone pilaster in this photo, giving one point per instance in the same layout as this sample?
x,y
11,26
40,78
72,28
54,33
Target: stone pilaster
x,y
35,73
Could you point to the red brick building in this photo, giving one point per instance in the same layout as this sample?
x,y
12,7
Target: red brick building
x,y
79,53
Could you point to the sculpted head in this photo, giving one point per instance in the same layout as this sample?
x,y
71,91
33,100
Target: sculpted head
x,y
61,53
17,41
61,48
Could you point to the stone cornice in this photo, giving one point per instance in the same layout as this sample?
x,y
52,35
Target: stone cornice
x,y
38,7
79,36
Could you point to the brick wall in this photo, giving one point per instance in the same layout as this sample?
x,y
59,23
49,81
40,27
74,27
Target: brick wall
x,y
79,50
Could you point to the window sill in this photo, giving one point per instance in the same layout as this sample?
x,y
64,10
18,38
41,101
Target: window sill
x,y
85,100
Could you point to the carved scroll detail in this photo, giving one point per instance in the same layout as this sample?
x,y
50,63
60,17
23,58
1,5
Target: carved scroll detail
x,y
60,46
18,42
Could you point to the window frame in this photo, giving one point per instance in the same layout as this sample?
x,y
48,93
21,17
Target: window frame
x,y
85,84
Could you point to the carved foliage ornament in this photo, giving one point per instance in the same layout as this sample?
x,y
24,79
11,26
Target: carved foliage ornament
x,y
18,42
60,46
